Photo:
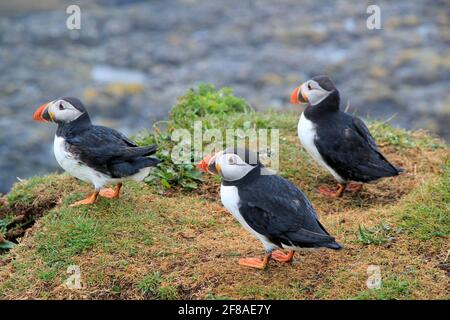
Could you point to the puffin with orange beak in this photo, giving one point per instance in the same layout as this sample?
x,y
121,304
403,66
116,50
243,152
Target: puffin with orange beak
x,y
337,141
94,154
270,207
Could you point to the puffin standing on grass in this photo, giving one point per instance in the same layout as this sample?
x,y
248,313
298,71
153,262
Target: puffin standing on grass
x,y
267,205
338,141
94,154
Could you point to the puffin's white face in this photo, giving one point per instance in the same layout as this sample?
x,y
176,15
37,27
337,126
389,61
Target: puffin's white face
x,y
312,92
62,111
231,166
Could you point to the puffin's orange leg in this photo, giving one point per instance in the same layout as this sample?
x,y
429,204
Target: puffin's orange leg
x,y
331,193
89,200
280,256
110,193
255,262
354,187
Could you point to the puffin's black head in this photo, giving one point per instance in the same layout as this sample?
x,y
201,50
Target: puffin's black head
x,y
62,110
314,91
232,163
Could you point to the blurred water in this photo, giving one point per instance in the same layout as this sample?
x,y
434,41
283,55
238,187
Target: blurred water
x,y
109,74
132,59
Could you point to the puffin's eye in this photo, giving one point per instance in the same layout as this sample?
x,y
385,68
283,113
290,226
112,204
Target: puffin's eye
x,y
309,86
231,160
61,107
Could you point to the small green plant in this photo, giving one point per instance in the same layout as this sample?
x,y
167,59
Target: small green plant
x,y
167,293
5,244
168,174
378,235
4,223
213,107
150,285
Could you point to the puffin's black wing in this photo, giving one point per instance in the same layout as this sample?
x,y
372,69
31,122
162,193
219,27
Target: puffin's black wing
x,y
110,152
354,155
274,207
359,126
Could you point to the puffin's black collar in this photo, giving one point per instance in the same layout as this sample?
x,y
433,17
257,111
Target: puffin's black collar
x,y
329,105
74,127
249,177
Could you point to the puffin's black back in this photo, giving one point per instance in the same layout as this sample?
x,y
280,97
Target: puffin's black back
x,y
274,207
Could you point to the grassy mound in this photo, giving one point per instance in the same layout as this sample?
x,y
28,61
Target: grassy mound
x,y
171,238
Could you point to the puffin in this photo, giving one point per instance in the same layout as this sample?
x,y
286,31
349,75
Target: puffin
x,y
339,142
91,153
270,207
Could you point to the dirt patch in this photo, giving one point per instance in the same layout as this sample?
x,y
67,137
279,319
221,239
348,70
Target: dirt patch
x,y
21,216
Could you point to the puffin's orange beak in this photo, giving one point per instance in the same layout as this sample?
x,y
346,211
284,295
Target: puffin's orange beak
x,y
297,96
203,165
294,96
41,114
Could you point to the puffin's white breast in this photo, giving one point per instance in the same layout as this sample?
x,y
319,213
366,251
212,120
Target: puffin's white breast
x,y
307,133
230,199
74,167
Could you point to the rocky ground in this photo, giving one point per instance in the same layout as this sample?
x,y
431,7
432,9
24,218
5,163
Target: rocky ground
x,y
132,58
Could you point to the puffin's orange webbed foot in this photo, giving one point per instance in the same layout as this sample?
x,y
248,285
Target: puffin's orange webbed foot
x,y
354,187
257,263
326,191
280,256
89,200
110,193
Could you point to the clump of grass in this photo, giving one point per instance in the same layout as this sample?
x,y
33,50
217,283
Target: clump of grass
x,y
426,214
214,109
381,234
24,193
385,133
150,283
4,222
206,101
151,286
167,292
168,174
392,288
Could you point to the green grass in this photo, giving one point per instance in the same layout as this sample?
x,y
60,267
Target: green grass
x,y
427,213
22,193
151,286
392,288
385,133
70,236
206,102
380,234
